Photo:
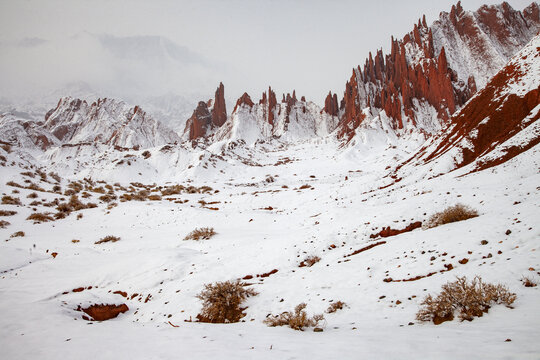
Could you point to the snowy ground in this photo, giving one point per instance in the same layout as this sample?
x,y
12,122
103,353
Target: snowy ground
x,y
332,218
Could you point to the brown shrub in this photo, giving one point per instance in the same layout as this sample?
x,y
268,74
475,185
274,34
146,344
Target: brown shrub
x,y
9,200
4,223
172,190
108,238
528,282
39,217
7,213
57,189
75,241
222,301
107,198
338,305
32,195
55,176
146,154
297,320
310,261
17,234
6,147
201,234
154,197
458,212
470,299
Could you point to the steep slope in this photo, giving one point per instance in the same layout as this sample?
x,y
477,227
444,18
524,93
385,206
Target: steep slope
x,y
498,123
433,71
106,121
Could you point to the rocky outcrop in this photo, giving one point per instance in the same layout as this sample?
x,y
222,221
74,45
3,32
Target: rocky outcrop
x,y
208,115
437,67
219,111
106,121
331,104
500,122
243,100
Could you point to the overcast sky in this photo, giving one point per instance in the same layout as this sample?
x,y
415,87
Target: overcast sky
x,y
128,47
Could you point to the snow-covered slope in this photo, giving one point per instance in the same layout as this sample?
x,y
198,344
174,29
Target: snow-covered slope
x,y
497,124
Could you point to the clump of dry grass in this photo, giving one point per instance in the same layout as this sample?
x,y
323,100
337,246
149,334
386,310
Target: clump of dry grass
x,y
528,282
18,234
310,261
108,238
4,224
39,218
32,195
335,306
201,234
222,301
297,320
458,212
7,213
10,200
470,299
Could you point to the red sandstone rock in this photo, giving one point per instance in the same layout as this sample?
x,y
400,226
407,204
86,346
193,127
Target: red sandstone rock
x,y
331,104
243,100
219,112
104,312
199,122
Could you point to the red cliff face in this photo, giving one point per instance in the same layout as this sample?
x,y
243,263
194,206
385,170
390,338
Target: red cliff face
x,y
199,122
219,112
416,73
243,100
331,104
271,105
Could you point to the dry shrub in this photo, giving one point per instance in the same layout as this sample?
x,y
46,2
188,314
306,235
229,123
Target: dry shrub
x,y
32,195
458,212
297,320
470,299
57,189
9,200
201,234
4,223
18,234
7,213
310,261
222,301
55,176
108,238
6,147
154,197
75,241
107,198
528,282
338,305
40,217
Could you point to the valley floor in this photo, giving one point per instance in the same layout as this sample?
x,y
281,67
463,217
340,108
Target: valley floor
x,y
301,201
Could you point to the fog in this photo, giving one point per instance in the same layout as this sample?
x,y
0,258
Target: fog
x,y
149,48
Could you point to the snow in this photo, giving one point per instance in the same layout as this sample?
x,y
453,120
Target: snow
x,y
39,321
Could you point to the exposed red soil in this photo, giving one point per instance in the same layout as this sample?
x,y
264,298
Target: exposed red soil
x,y
387,231
102,312
366,248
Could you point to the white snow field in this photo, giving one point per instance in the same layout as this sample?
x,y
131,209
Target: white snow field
x,y
264,225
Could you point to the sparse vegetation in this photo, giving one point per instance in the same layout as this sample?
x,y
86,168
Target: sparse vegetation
x,y
335,306
458,212
10,200
7,213
310,261
222,301
39,218
17,234
297,320
201,234
4,224
108,238
470,299
32,195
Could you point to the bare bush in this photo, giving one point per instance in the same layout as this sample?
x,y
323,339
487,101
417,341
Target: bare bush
x,y
222,301
470,299
201,234
297,320
108,238
458,212
10,200
335,306
310,261
40,217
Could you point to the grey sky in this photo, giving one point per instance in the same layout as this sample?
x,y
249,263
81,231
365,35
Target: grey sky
x,y
153,47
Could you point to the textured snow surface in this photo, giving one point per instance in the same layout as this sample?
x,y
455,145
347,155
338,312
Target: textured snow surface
x,y
335,216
